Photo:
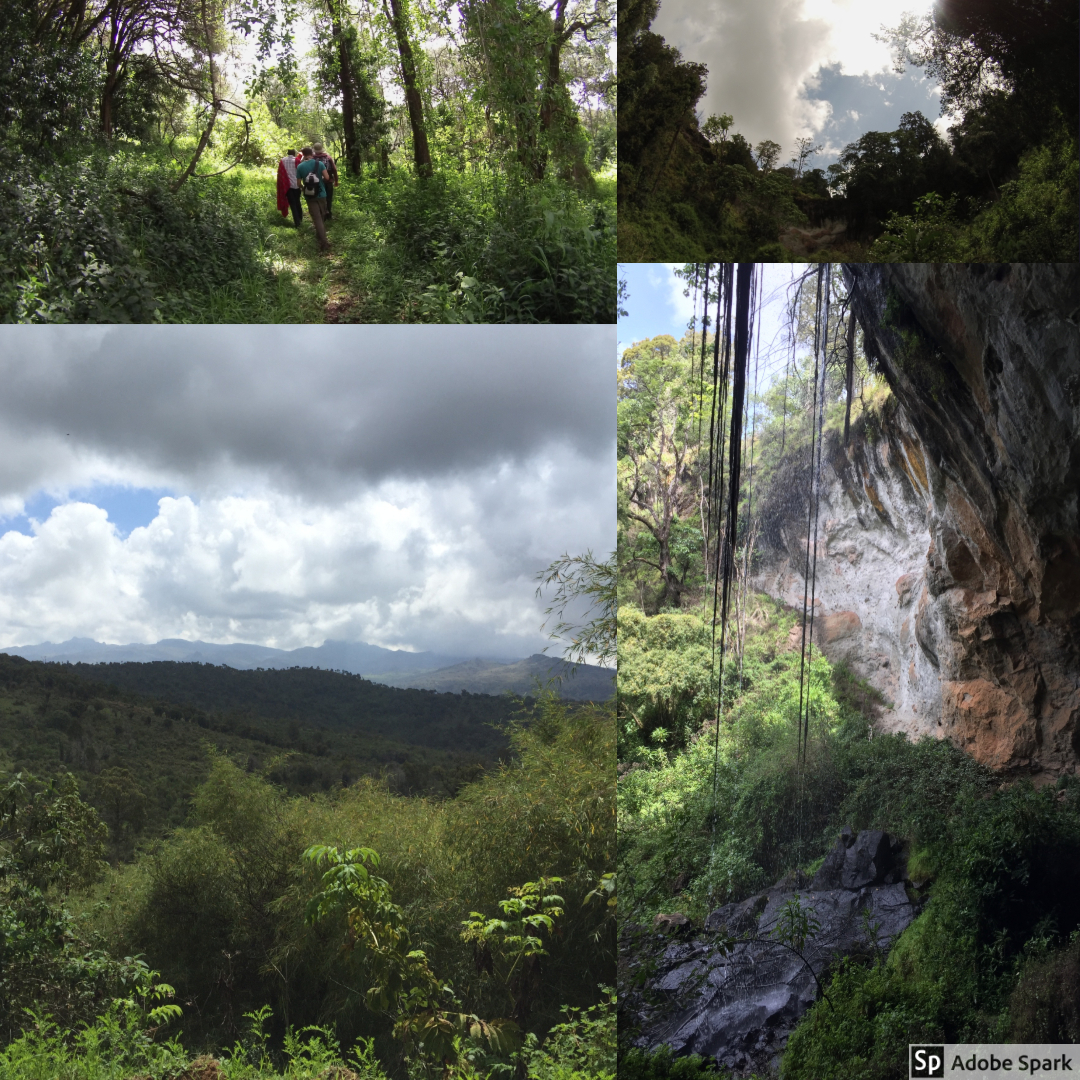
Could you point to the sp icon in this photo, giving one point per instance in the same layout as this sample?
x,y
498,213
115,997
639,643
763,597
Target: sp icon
x,y
926,1062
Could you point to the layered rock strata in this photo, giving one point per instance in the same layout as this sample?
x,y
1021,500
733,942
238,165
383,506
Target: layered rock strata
x,y
948,547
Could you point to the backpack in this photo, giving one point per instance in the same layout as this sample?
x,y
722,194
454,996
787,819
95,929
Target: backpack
x,y
311,181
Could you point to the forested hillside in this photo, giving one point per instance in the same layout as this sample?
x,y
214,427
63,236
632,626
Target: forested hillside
x,y
1003,186
139,745
226,926
472,144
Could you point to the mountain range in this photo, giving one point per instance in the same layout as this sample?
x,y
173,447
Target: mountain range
x,y
393,667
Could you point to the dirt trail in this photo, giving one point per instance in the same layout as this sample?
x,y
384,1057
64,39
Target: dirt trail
x,y
806,241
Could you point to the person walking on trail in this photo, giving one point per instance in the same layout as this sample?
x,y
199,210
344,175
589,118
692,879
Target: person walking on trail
x,y
288,187
328,161
314,179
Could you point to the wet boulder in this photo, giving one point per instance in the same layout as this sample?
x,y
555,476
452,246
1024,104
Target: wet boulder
x,y
735,990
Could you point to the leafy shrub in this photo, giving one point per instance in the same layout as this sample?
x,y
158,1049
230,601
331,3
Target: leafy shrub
x,y
866,1031
68,259
974,966
51,843
661,1064
665,676
456,248
220,905
930,234
48,90
202,237
582,1047
102,241
1036,219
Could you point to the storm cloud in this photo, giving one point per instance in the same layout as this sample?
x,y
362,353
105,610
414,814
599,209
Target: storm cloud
x,y
766,59
396,485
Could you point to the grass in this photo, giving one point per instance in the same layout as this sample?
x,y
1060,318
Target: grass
x,y
103,238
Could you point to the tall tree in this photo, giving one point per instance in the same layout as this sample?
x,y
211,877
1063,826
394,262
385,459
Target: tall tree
x,y
558,117
502,35
398,14
972,46
657,435
127,26
190,58
341,38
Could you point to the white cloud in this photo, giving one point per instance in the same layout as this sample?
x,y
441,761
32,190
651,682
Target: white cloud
x,y
404,564
763,55
407,504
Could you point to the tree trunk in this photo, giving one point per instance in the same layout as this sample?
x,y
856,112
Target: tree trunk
x,y
348,109
673,588
550,112
203,141
108,89
421,153
113,63
215,99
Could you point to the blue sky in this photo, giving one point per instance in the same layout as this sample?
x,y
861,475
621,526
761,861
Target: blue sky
x,y
653,306
862,103
128,507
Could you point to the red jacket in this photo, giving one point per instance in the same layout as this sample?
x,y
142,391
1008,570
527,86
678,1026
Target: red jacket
x,y
283,185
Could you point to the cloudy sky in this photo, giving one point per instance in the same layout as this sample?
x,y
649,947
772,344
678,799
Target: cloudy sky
x,y
282,486
789,68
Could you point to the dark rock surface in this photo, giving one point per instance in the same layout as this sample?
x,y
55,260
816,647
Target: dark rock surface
x,y
948,554
739,1003
985,363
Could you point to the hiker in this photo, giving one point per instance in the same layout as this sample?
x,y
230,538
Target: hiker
x,y
328,161
288,187
314,179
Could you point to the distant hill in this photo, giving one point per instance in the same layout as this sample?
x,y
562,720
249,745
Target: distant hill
x,y
392,667
306,729
587,683
356,657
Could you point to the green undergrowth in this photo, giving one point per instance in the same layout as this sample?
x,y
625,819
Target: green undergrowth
x,y
707,820
102,237
660,1064
222,908
117,1046
1034,217
994,954
995,957
479,248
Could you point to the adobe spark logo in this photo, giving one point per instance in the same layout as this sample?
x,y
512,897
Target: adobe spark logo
x,y
926,1062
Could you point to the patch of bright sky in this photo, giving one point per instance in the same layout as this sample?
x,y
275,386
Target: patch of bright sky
x,y
656,305
128,507
774,65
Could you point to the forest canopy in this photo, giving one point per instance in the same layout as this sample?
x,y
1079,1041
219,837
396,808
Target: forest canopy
x,y
1002,186
471,142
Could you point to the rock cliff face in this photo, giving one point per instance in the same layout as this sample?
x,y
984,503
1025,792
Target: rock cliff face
x,y
948,569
